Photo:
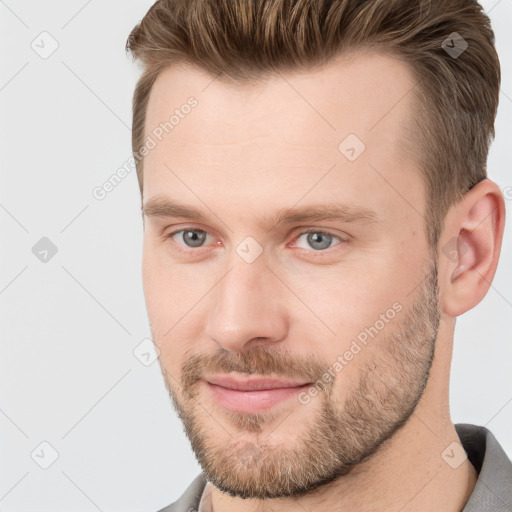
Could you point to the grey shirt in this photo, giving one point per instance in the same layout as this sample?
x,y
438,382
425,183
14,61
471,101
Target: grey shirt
x,y
492,492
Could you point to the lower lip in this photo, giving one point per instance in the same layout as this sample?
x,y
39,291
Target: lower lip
x,y
252,401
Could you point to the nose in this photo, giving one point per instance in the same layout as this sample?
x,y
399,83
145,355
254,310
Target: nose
x,y
248,307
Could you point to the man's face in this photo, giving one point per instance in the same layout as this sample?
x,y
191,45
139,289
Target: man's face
x,y
341,309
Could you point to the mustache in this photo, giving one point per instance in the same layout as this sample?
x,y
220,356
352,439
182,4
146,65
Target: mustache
x,y
260,360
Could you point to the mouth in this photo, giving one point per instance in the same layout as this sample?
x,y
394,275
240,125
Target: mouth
x,y
252,394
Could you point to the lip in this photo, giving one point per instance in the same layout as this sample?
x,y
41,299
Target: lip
x,y
252,383
252,394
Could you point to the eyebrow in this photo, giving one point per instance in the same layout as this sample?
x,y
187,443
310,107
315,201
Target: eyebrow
x,y
163,207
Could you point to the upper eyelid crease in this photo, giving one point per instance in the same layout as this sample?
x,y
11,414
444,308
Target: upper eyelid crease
x,y
324,231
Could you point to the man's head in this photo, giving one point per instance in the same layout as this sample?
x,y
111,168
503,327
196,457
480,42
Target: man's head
x,y
319,155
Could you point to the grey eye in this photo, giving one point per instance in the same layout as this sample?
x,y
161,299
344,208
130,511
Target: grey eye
x,y
193,238
317,240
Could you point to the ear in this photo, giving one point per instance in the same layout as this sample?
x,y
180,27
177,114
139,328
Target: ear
x,y
469,248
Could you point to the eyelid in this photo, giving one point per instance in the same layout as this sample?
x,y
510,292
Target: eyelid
x,y
323,231
191,227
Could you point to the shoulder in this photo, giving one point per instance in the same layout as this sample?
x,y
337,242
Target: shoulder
x,y
493,489
189,500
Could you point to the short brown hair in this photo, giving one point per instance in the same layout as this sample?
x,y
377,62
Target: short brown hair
x,y
455,99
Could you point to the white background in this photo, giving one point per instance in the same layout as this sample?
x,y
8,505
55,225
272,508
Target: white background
x,y
68,375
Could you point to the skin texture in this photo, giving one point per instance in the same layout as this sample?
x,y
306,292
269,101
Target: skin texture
x,y
372,439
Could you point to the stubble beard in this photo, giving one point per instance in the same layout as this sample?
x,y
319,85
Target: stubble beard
x,y
339,436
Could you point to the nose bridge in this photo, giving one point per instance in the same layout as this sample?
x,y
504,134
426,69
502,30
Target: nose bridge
x,y
246,305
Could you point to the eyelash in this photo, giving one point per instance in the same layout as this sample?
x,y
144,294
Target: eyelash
x,y
185,250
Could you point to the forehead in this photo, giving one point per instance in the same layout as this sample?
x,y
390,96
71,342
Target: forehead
x,y
361,90
283,133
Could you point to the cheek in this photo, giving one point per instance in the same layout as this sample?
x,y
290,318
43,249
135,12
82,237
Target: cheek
x,y
155,291
344,298
169,288
173,294
355,312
